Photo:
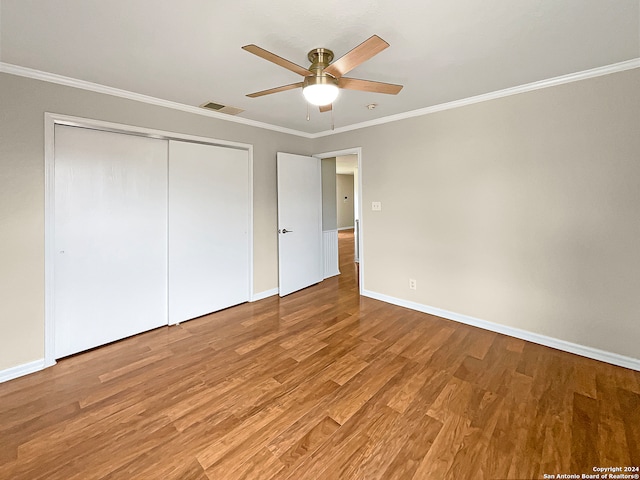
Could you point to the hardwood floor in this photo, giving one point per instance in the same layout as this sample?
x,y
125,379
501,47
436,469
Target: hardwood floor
x,y
321,384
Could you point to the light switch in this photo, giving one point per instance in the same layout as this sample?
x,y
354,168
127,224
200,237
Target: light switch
x,y
376,206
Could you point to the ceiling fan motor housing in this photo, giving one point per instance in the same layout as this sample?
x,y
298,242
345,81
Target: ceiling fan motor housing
x,y
320,59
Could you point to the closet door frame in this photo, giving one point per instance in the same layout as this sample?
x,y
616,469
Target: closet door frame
x,y
53,119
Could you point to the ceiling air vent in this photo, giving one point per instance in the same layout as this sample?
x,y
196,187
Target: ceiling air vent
x,y
222,108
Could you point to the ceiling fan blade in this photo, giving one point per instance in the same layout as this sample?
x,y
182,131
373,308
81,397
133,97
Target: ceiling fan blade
x,y
272,57
326,108
363,52
369,86
283,88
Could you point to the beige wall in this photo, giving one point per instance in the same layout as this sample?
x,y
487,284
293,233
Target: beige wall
x,y
22,106
521,211
329,211
344,188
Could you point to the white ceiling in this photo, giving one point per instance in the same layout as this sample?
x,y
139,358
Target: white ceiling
x,y
441,50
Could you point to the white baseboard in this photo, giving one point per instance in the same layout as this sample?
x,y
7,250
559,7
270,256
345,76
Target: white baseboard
x,y
582,350
267,293
347,228
21,370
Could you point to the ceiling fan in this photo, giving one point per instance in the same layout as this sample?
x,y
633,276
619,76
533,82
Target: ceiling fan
x,y
323,79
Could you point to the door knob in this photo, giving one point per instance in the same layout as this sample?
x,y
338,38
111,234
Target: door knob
x,y
284,230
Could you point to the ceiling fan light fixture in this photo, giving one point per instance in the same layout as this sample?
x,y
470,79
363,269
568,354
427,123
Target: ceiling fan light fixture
x,y
320,95
320,90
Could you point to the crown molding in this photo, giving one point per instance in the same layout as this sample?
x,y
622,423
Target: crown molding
x,y
95,87
117,92
529,87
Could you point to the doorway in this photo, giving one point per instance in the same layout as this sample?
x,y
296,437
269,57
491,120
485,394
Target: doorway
x,y
354,153
348,216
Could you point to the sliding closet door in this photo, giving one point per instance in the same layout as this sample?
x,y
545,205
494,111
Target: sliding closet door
x,y
110,264
209,219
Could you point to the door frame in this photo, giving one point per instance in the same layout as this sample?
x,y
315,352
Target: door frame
x,y
53,119
353,151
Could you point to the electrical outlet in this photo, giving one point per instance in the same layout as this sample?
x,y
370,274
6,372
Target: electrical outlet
x,y
376,206
412,284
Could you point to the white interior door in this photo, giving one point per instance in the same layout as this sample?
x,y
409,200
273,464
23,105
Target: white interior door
x,y
110,267
299,222
209,221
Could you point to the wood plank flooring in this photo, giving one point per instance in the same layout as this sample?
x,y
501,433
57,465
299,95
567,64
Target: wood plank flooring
x,y
319,385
